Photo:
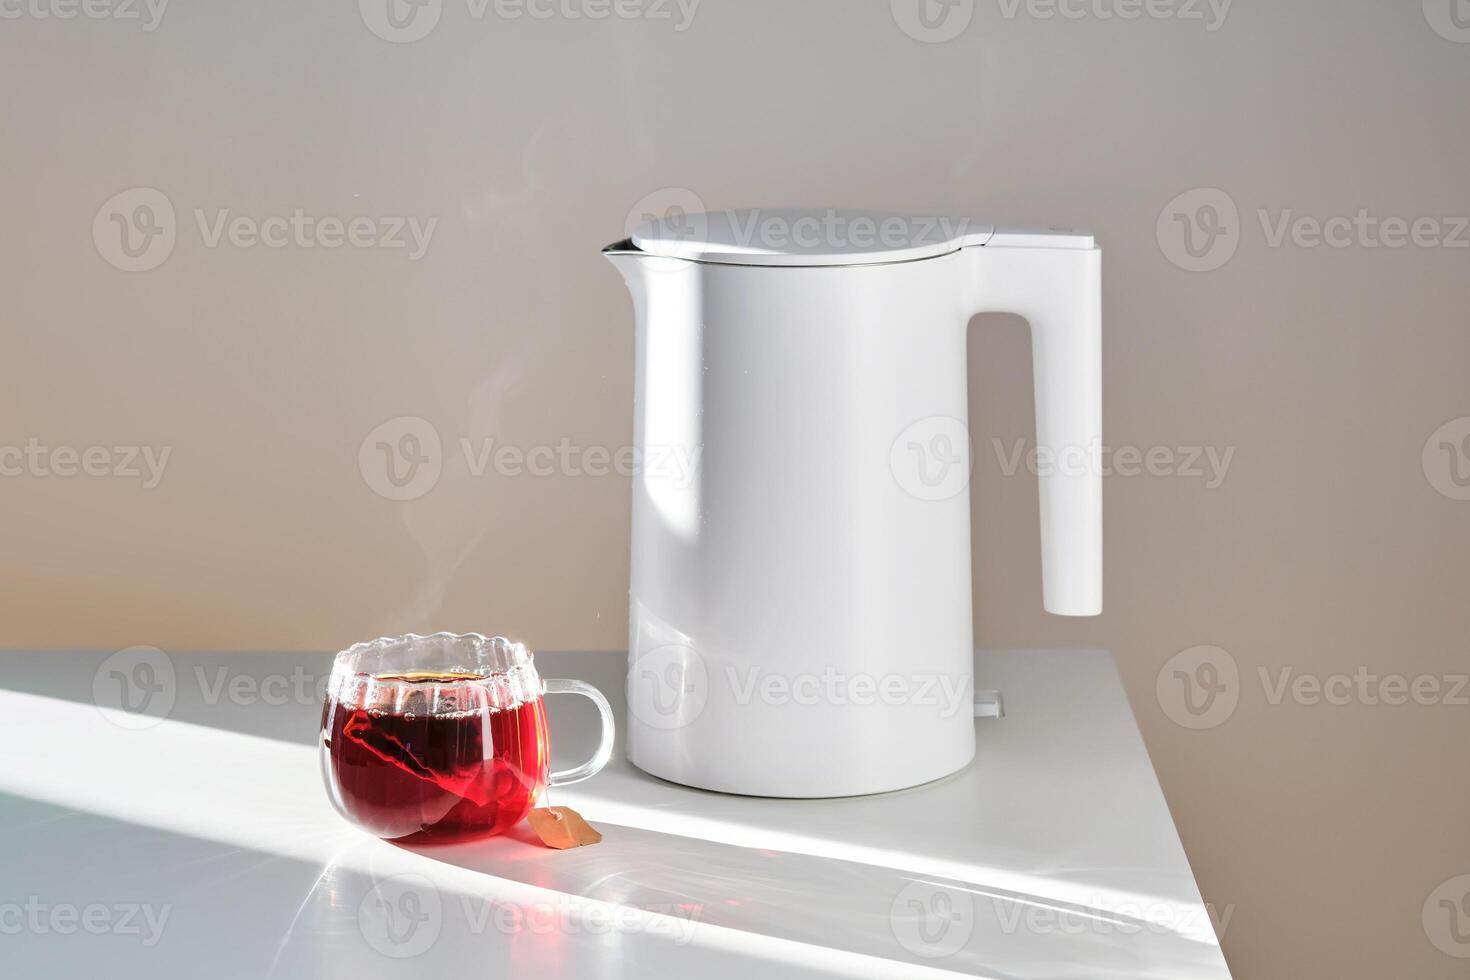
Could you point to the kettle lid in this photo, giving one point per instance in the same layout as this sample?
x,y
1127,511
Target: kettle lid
x,y
806,236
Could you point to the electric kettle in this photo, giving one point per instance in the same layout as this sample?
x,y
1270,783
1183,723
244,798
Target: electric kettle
x,y
800,605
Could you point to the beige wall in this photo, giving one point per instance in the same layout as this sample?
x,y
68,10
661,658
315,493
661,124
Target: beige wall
x,y
1323,829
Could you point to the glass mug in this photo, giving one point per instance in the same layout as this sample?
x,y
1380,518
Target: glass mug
x,y
443,738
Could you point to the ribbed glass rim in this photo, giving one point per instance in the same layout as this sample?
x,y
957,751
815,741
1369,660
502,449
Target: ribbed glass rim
x,y
435,673
483,657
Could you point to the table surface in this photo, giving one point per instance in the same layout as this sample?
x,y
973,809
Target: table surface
x,y
194,839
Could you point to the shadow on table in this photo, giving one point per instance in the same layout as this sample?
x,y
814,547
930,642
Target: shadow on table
x,y
177,905
851,912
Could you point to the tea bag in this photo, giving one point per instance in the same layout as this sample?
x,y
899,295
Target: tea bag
x,y
389,748
561,827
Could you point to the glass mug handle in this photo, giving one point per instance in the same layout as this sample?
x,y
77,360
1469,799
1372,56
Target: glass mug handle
x,y
605,744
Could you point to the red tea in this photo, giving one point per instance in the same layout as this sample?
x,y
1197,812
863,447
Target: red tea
x,y
429,776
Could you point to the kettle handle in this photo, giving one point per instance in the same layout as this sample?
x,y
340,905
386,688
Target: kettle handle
x,y
1055,283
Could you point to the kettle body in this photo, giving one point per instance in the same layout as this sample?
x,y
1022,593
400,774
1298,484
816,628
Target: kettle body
x,y
800,586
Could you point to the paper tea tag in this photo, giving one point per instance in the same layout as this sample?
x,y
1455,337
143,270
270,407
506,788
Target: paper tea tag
x,y
561,827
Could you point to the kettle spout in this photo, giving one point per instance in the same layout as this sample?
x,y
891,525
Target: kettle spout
x,y
629,260
624,256
636,264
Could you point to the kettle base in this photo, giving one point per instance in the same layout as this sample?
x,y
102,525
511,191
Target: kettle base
x,y
809,786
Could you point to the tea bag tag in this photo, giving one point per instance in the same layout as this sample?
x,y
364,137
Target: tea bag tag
x,y
562,827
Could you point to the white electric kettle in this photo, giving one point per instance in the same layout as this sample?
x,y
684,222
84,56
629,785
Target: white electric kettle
x,y
800,589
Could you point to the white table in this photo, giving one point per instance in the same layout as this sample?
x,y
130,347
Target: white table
x,y
200,844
